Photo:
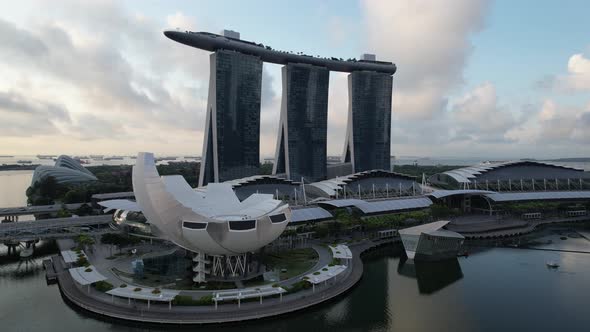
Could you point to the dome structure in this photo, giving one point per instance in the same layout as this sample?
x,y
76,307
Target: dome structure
x,y
213,221
65,170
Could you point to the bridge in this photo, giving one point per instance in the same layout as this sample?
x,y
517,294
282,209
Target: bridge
x,y
13,212
54,228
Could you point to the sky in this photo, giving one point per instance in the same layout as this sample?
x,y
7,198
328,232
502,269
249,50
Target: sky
x,y
476,78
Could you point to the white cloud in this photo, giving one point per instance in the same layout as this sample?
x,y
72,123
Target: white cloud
x,y
181,21
477,115
578,76
430,43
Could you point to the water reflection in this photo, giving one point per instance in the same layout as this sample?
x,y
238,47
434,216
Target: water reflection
x,y
431,276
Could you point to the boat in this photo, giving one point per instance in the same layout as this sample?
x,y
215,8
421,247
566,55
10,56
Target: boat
x,y
26,253
165,158
113,158
46,156
552,264
24,162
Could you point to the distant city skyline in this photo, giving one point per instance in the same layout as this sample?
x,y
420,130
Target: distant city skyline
x,y
475,78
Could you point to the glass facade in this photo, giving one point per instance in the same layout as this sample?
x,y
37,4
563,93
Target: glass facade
x,y
304,120
237,84
370,108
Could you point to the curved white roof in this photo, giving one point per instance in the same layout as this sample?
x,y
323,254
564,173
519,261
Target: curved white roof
x,y
212,220
467,174
65,170
330,186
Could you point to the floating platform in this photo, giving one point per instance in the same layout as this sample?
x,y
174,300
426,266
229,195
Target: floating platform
x,y
50,272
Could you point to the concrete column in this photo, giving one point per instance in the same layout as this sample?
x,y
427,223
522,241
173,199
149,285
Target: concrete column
x,y
239,303
148,304
170,305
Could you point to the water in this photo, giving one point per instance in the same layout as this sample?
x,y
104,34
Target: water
x,y
126,160
494,290
13,186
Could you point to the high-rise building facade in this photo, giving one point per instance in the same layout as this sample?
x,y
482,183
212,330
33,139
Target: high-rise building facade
x,y
301,143
367,144
231,148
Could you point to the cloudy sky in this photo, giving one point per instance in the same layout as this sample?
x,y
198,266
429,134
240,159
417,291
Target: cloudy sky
x,y
491,79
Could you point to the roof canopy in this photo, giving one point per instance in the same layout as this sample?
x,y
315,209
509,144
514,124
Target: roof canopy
x,y
325,273
539,195
86,278
309,214
433,228
164,295
71,256
469,174
247,293
390,205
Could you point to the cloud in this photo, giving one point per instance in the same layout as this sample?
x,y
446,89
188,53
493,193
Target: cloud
x,y
478,117
181,21
430,43
113,72
578,76
23,116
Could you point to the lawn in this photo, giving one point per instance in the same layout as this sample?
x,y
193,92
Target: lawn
x,y
291,262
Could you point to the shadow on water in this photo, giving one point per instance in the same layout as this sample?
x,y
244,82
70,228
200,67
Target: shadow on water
x,y
431,276
14,267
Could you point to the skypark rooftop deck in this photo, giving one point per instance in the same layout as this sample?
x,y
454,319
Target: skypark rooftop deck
x,y
213,42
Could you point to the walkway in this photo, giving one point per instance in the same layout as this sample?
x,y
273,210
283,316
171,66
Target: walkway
x,y
104,304
54,228
531,225
37,209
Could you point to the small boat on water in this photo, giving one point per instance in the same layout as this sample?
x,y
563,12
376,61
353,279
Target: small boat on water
x,y
552,264
26,253
24,162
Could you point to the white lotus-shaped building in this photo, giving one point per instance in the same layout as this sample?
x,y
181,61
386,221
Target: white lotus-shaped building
x,y
212,221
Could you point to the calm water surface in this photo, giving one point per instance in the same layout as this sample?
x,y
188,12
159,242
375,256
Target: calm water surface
x,y
493,290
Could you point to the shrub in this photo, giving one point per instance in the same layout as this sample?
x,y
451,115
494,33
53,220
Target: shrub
x,y
88,270
187,300
316,273
123,285
82,261
325,269
298,286
103,286
156,291
137,289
